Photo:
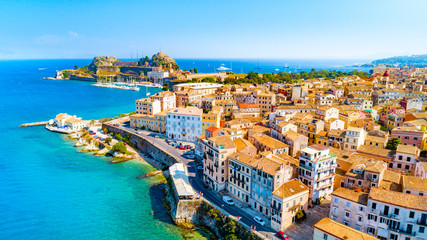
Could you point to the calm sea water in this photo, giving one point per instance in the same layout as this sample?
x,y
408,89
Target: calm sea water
x,y
48,190
269,66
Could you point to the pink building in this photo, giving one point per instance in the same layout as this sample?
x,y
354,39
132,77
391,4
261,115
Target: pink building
x,y
409,135
337,92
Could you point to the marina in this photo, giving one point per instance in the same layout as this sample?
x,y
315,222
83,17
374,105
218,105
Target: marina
x,y
118,85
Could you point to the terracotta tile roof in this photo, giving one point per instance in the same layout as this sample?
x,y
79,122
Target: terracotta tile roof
x,y
269,166
212,129
223,140
290,188
319,147
352,195
408,149
415,183
382,152
242,143
247,105
399,199
341,231
243,158
290,159
293,135
270,142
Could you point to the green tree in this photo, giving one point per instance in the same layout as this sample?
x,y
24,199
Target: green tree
x,y
66,75
119,147
165,87
105,130
187,104
195,70
108,139
76,67
393,143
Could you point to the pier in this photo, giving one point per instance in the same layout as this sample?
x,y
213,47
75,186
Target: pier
x,y
33,124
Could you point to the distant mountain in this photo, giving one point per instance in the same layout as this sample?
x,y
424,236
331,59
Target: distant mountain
x,y
414,60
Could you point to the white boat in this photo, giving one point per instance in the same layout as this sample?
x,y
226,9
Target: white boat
x,y
223,68
59,130
286,65
276,69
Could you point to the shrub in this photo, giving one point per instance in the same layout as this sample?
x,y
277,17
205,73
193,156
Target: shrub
x,y
119,147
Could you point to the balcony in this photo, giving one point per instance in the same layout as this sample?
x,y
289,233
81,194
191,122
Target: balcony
x,y
411,233
389,215
325,177
323,186
326,168
306,167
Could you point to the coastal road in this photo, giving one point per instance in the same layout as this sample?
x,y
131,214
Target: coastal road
x,y
197,183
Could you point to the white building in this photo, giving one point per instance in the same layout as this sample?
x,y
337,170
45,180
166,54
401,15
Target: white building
x,y
406,158
317,170
349,207
354,138
148,106
184,123
75,123
158,74
328,229
167,100
324,99
239,176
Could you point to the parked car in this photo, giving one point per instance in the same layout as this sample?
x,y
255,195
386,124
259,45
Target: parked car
x,y
259,220
189,156
200,168
182,148
282,235
228,200
93,133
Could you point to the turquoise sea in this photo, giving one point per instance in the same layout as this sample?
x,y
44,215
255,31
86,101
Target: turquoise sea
x,y
47,189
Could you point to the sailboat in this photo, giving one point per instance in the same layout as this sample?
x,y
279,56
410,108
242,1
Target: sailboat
x,y
286,65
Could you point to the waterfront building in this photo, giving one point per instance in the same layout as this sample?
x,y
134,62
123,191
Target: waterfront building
x,y
268,173
239,176
154,123
202,88
317,170
287,201
75,124
182,188
184,123
167,100
157,75
328,229
148,106
215,161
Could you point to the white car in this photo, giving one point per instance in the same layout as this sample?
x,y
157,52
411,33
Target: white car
x,y
200,168
259,221
228,200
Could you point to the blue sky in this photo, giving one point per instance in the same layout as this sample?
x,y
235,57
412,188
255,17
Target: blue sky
x,y
285,29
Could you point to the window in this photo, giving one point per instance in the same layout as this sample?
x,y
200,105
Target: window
x,y
372,217
361,209
348,204
421,229
359,218
396,211
347,214
335,200
325,236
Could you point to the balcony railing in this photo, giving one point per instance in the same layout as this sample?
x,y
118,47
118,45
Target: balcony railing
x,y
323,186
423,223
306,167
410,233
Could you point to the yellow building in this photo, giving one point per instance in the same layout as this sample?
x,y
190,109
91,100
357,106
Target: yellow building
x,y
211,118
227,106
322,138
155,123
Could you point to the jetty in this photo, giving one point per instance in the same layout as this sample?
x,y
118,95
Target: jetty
x,y
33,124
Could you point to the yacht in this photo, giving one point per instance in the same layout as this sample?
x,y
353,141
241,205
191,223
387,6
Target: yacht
x,y
286,65
223,68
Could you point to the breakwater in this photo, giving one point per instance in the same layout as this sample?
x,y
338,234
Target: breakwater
x,y
33,124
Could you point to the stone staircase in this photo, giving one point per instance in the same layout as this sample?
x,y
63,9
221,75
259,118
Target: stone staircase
x,y
304,230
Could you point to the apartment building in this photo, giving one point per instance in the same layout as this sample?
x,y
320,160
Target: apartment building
x,y
410,135
406,158
148,106
414,185
211,119
349,207
317,170
184,123
354,138
167,100
287,200
215,161
364,174
325,113
154,123
328,229
296,141
265,100
324,99
266,143
239,176
243,110
267,175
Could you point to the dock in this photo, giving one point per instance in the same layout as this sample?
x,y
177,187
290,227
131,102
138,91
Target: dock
x,y
33,124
